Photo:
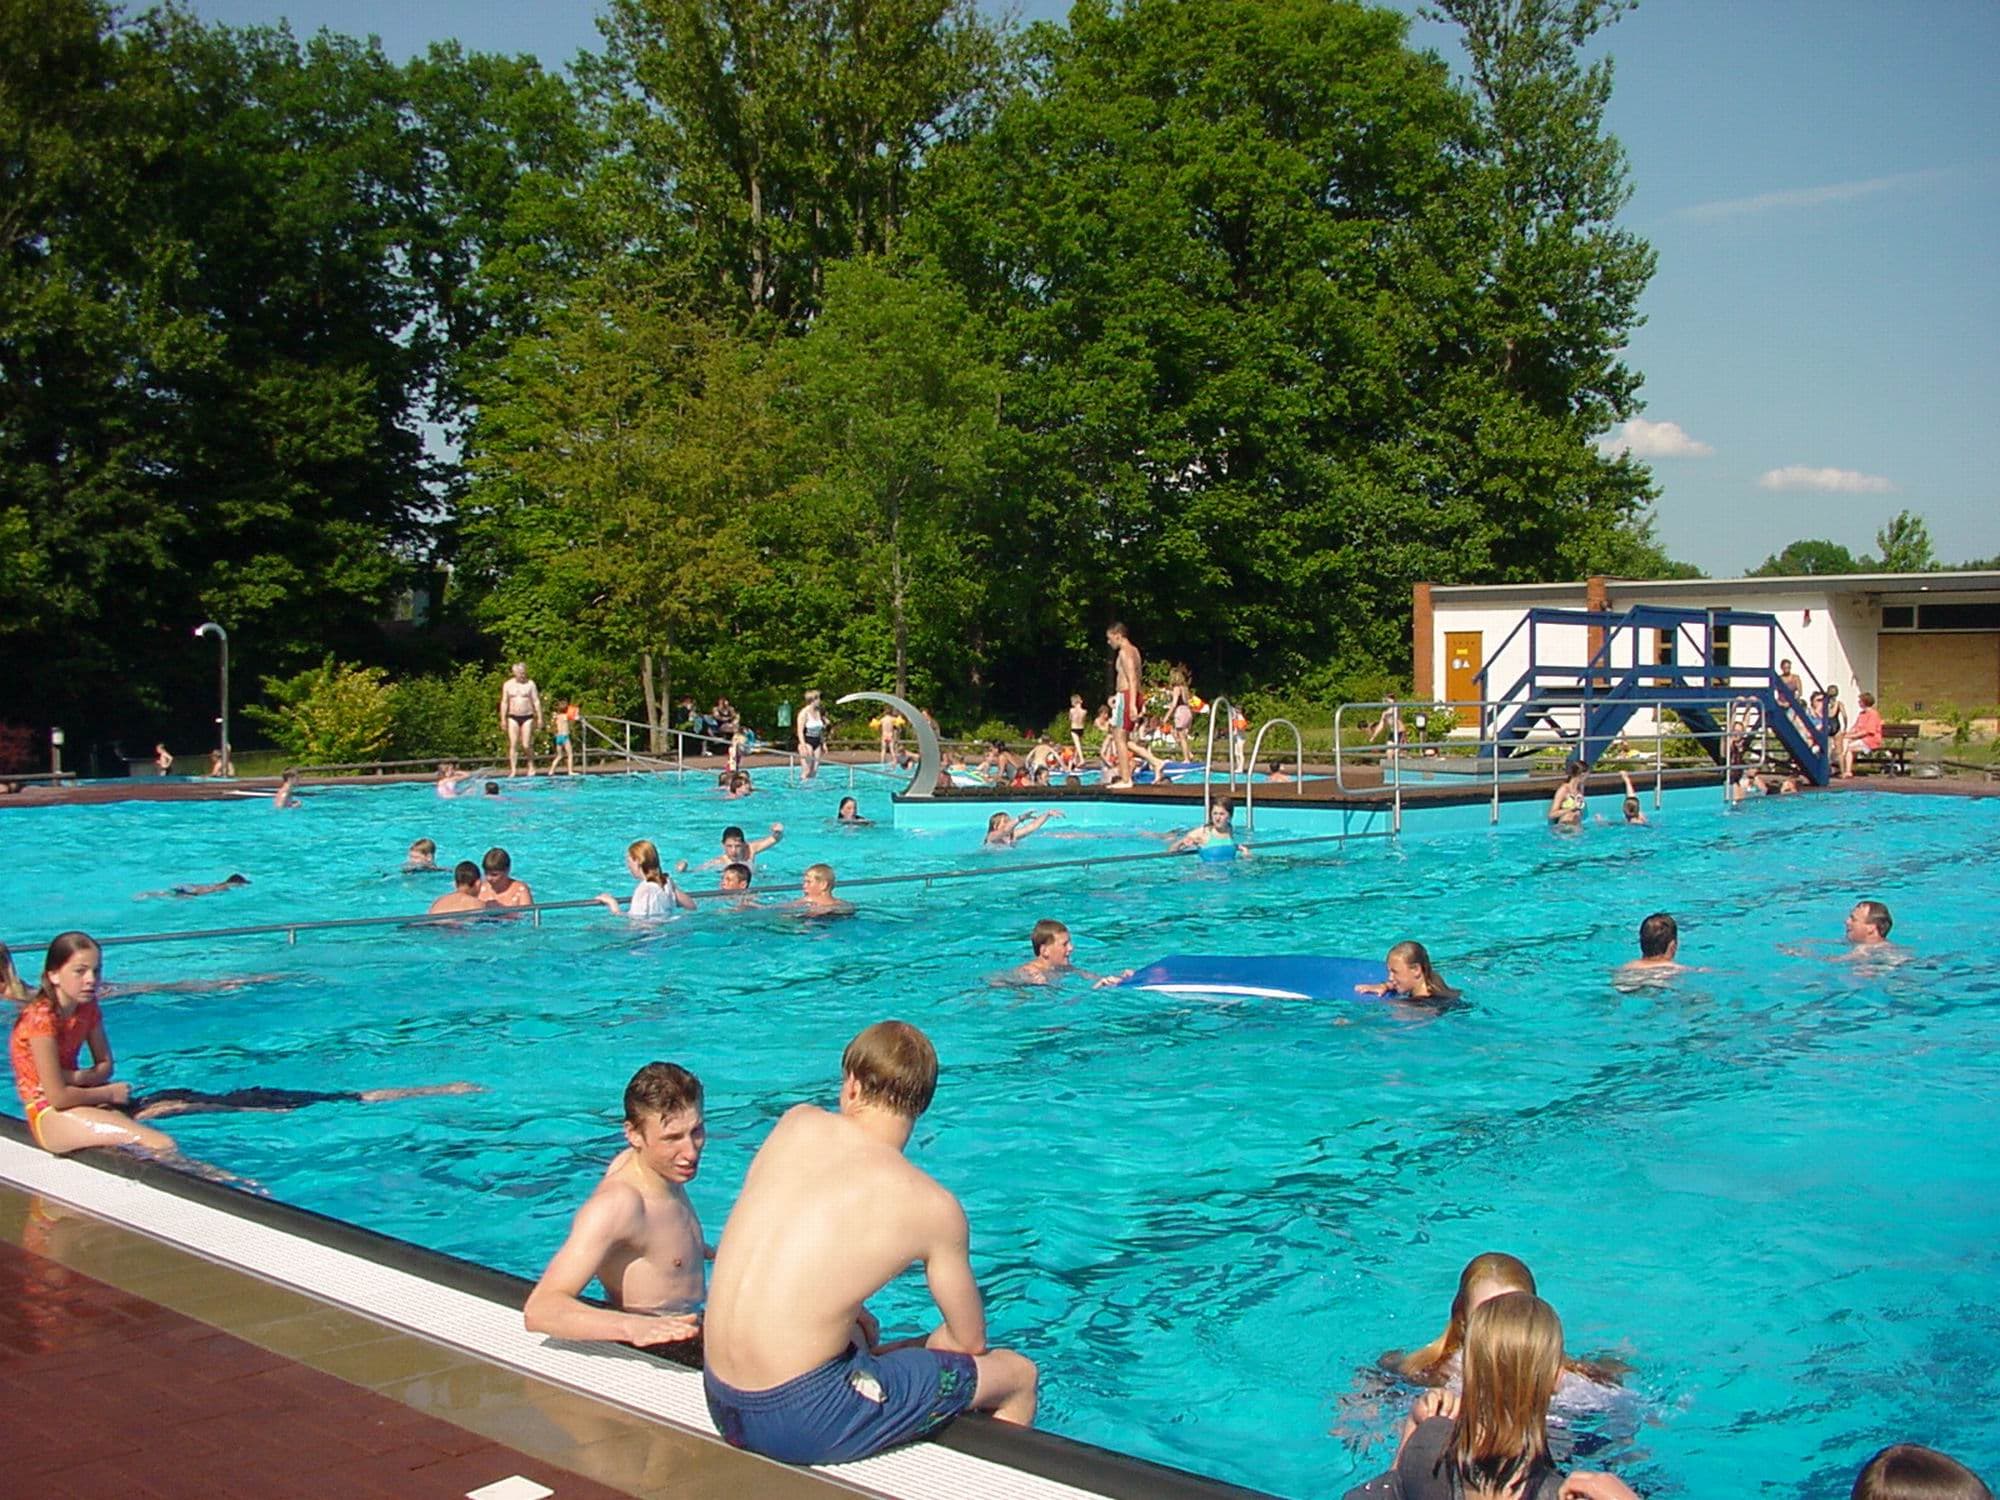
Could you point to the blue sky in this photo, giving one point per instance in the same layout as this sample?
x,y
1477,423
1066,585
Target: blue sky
x,y
1821,179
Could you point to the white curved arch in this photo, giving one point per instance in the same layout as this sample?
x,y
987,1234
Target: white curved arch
x,y
929,758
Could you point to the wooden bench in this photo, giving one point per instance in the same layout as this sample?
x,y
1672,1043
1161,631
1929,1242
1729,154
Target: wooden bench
x,y
1898,740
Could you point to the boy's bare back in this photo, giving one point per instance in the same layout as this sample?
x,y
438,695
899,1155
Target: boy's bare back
x,y
826,1218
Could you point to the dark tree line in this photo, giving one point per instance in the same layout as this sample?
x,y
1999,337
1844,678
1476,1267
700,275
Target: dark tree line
x,y
819,340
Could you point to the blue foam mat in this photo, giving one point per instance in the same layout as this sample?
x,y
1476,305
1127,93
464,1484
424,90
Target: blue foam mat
x,y
1268,976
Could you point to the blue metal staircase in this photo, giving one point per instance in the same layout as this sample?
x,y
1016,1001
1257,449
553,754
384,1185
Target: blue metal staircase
x,y
1586,684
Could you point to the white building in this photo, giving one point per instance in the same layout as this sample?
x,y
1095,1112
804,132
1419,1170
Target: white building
x,y
1920,642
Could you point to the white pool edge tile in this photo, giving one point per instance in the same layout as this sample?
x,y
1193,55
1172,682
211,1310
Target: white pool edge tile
x,y
490,1331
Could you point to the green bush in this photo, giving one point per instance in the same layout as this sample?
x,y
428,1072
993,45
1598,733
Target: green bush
x,y
329,714
455,716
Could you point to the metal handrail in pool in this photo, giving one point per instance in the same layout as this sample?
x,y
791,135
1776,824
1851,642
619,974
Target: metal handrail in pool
x,y
428,919
1250,779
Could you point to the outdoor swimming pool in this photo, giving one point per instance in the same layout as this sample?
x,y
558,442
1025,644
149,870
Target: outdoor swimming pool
x,y
1768,1187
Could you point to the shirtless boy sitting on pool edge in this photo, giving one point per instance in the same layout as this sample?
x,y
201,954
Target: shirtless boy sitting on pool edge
x,y
829,1214
637,1233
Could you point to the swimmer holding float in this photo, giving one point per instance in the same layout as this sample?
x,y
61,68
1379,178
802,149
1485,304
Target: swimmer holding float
x,y
1411,976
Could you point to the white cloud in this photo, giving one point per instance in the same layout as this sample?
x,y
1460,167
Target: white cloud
x,y
1810,197
1826,481
1643,439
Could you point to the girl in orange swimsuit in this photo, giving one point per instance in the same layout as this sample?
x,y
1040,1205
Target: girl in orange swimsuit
x,y
70,1107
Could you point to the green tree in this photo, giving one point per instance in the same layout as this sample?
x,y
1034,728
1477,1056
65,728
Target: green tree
x,y
895,408
778,136
333,714
614,455
1905,545
1808,559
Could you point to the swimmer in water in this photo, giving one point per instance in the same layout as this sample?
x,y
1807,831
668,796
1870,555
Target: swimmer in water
x,y
1566,806
11,985
1411,976
500,887
464,893
738,850
1053,947
1635,815
637,1234
1866,933
208,888
655,895
422,858
1215,839
1440,1362
1659,950
1906,1471
286,794
1004,831
816,897
849,812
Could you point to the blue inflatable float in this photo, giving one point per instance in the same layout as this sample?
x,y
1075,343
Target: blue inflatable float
x,y
1268,977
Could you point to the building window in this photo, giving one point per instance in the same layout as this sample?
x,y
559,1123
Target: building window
x,y
1957,616
1899,617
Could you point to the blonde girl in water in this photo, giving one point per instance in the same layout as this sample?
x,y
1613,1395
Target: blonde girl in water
x,y
655,895
1490,1441
1411,976
1486,1276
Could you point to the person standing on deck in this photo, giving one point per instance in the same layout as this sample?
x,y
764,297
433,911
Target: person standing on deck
x,y
1127,701
520,717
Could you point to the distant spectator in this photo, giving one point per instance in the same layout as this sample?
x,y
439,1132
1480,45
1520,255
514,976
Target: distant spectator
x,y
1865,737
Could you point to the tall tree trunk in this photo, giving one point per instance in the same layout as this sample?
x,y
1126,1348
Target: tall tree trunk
x,y
652,710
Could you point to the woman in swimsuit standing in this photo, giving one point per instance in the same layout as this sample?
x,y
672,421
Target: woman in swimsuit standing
x,y
812,736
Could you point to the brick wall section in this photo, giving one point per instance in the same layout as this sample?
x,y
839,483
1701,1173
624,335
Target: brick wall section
x,y
1928,668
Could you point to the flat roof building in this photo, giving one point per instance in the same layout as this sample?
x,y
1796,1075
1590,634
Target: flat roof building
x,y
1920,642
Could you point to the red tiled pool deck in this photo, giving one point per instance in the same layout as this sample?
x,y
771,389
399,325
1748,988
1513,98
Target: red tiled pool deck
x,y
106,1389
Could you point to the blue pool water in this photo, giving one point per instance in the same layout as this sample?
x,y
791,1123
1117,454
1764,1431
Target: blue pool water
x,y
1768,1187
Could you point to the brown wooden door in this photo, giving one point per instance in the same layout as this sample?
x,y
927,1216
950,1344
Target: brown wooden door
x,y
1462,661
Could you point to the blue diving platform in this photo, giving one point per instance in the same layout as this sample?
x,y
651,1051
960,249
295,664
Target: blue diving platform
x,y
1588,672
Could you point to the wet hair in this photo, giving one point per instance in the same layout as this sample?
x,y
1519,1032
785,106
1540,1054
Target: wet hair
x,y
492,788
1416,953
660,1088
497,861
1513,1359
11,985
465,875
1632,809
822,873
1878,915
1657,934
845,803
995,823
733,832
237,880
894,1065
740,779
736,871
426,847
1045,932
1490,1268
1906,1471
646,855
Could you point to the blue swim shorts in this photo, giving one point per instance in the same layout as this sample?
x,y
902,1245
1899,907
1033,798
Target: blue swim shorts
x,y
853,1405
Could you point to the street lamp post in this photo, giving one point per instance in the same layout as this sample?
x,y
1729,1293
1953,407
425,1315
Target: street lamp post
x,y
209,627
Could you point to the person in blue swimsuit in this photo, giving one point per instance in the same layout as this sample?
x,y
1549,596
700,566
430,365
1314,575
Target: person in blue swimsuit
x,y
1215,840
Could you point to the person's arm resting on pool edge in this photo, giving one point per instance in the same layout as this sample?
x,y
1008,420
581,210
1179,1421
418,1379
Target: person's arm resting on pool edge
x,y
605,1222
99,1071
948,1272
